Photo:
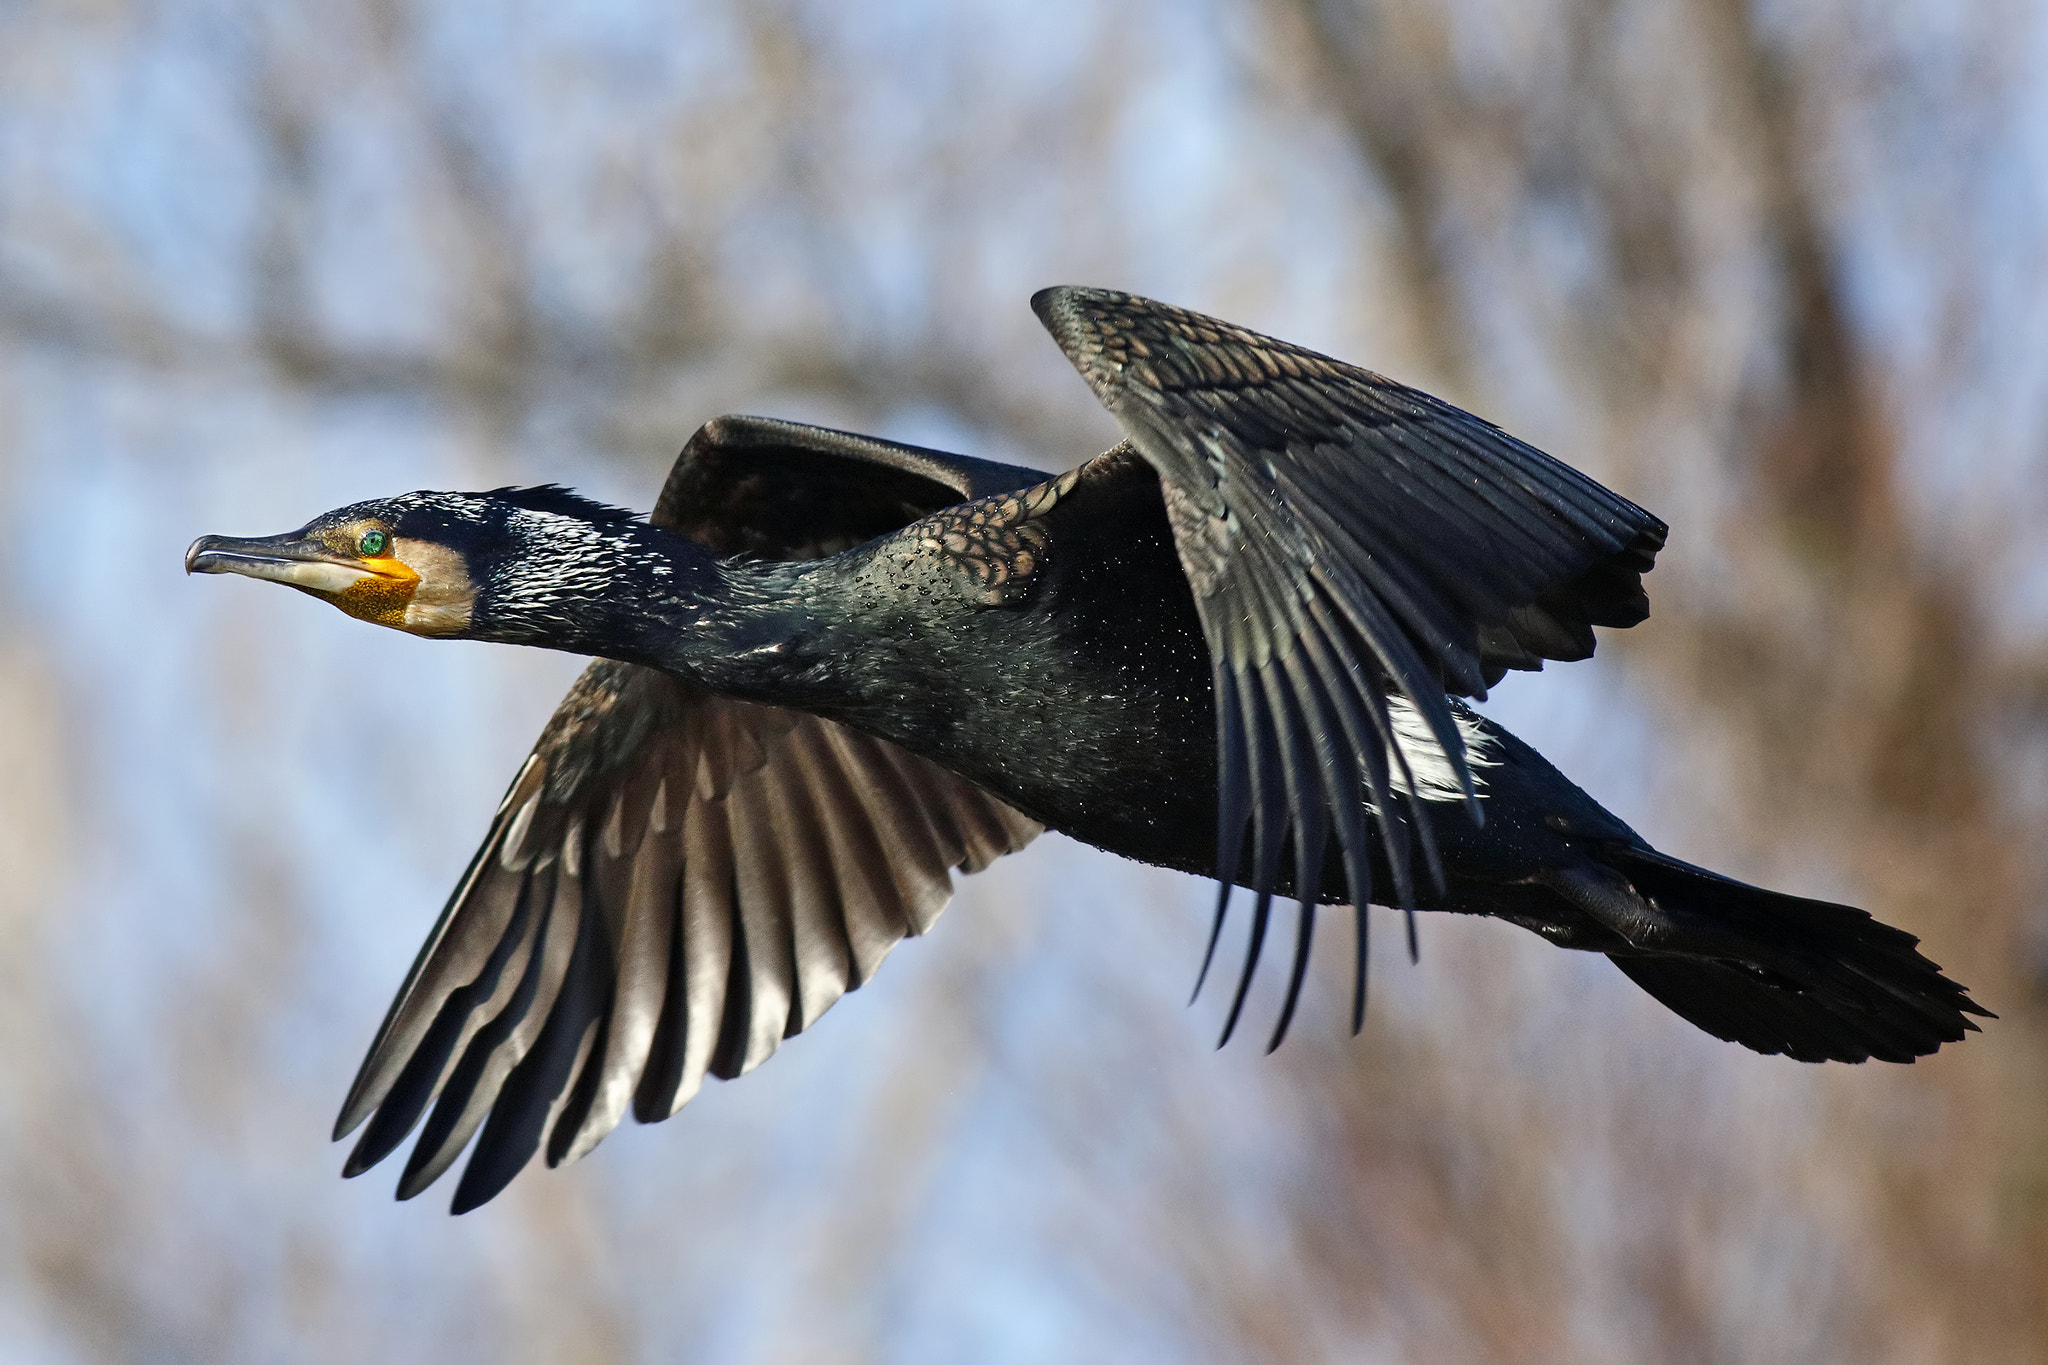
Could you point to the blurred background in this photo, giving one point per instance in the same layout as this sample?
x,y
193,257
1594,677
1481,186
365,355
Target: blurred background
x,y
1774,269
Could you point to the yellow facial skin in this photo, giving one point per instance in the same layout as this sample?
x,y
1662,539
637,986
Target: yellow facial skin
x,y
384,596
384,592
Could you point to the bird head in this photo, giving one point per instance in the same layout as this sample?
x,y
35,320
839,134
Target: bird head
x,y
433,564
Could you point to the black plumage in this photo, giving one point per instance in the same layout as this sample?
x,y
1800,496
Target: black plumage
x,y
833,668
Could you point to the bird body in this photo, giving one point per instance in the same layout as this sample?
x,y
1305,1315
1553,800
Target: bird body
x,y
832,669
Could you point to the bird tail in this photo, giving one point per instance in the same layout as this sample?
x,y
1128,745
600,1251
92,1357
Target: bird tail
x,y
1779,974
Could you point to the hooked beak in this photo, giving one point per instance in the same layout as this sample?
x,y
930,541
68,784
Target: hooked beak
x,y
293,558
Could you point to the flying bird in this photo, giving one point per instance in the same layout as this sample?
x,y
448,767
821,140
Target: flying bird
x,y
831,669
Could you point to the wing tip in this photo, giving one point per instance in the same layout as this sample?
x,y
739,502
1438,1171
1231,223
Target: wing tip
x,y
350,1118
477,1189
1075,315
1053,304
356,1164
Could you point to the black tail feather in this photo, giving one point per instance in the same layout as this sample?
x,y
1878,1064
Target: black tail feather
x,y
1809,979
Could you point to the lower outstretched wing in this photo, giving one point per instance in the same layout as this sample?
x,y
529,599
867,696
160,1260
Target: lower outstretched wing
x,y
674,884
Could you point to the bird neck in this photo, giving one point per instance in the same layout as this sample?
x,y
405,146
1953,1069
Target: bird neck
x,y
646,595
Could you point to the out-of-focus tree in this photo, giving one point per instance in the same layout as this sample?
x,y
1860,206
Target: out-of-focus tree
x,y
1764,267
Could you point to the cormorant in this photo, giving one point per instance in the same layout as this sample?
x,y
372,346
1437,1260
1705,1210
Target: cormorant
x,y
832,668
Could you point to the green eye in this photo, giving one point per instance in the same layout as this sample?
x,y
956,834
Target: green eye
x,y
372,544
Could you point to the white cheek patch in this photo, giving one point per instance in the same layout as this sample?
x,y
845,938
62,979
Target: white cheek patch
x,y
313,575
444,599
1435,778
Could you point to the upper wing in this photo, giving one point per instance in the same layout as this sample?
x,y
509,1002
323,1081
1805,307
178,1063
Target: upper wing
x,y
1346,538
675,881
770,489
